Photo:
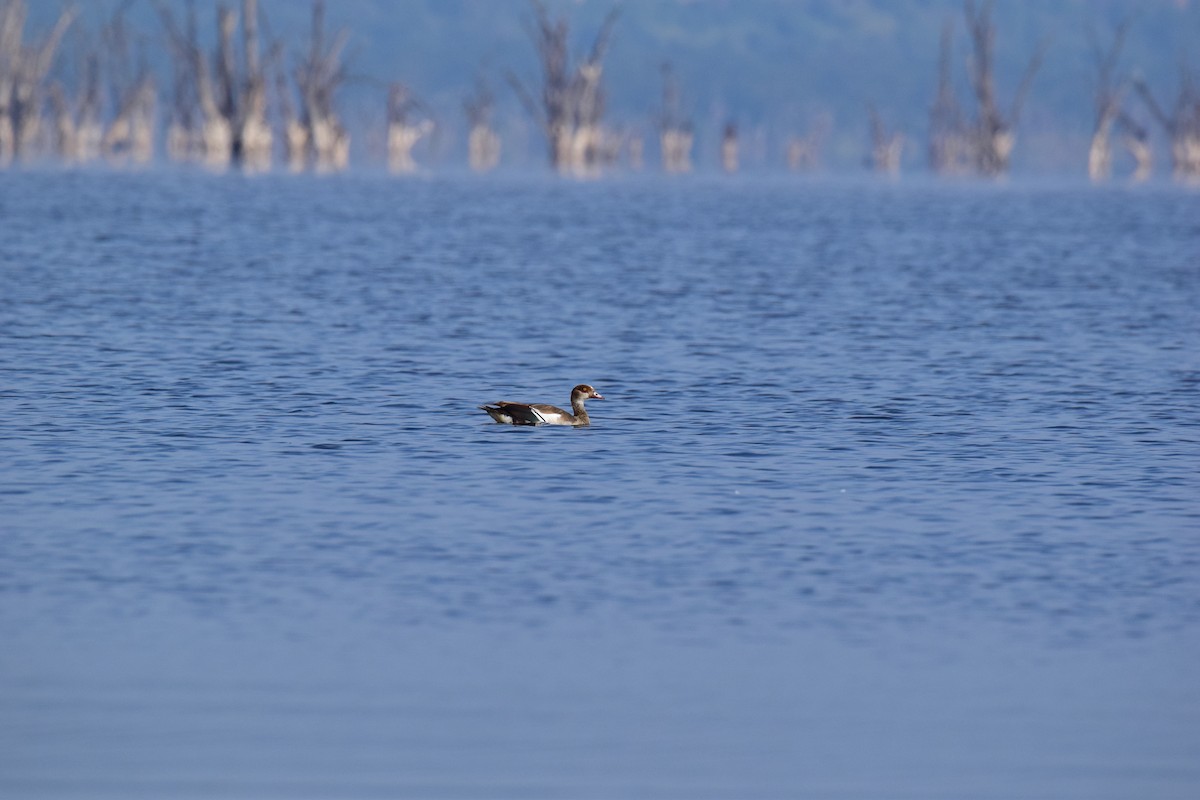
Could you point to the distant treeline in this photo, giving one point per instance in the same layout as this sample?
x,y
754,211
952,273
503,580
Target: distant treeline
x,y
246,103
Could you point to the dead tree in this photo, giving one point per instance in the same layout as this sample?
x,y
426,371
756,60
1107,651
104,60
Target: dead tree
x,y
403,130
572,102
886,146
1182,126
295,134
804,152
994,132
675,129
23,69
197,128
589,141
1136,139
729,148
219,108
319,76
1109,93
483,143
252,137
130,135
949,145
78,129
184,138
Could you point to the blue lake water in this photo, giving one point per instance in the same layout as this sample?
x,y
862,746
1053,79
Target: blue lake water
x,y
894,492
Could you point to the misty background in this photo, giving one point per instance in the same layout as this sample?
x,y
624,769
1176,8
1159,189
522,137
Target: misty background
x,y
774,67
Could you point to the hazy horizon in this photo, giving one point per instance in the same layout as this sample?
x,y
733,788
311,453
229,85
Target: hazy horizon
x,y
774,68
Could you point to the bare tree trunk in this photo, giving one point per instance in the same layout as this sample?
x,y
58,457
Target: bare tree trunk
x,y
1185,153
886,146
23,71
318,78
1099,162
77,127
219,112
1108,104
130,136
1182,127
588,139
993,136
403,132
254,138
483,144
804,152
949,149
675,129
183,133
571,107
1136,139
65,135
729,149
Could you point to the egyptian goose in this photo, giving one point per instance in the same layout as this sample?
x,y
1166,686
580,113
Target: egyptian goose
x,y
542,414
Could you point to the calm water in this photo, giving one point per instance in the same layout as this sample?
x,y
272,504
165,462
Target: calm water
x,y
894,492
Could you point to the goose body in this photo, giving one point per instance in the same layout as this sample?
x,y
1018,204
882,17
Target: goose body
x,y
544,414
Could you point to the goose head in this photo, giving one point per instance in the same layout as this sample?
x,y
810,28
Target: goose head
x,y
585,392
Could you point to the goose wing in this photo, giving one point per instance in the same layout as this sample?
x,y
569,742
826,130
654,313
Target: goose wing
x,y
513,413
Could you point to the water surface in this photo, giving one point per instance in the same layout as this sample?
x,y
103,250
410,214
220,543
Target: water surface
x,y
894,491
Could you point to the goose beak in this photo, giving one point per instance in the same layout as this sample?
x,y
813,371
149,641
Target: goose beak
x,y
597,396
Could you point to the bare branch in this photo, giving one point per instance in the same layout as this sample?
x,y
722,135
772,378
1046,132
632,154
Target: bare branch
x,y
1155,109
526,98
1035,63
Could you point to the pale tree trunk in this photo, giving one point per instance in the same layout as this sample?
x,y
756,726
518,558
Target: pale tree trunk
x,y
254,133
78,130
483,143
130,137
403,130
23,70
1136,140
65,135
1099,162
318,78
588,139
295,145
676,146
887,147
886,155
483,148
949,146
183,139
215,134
993,135
571,106
729,149
295,134
219,113
400,142
797,154
675,136
1108,103
804,152
1182,127
1185,155
1143,157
